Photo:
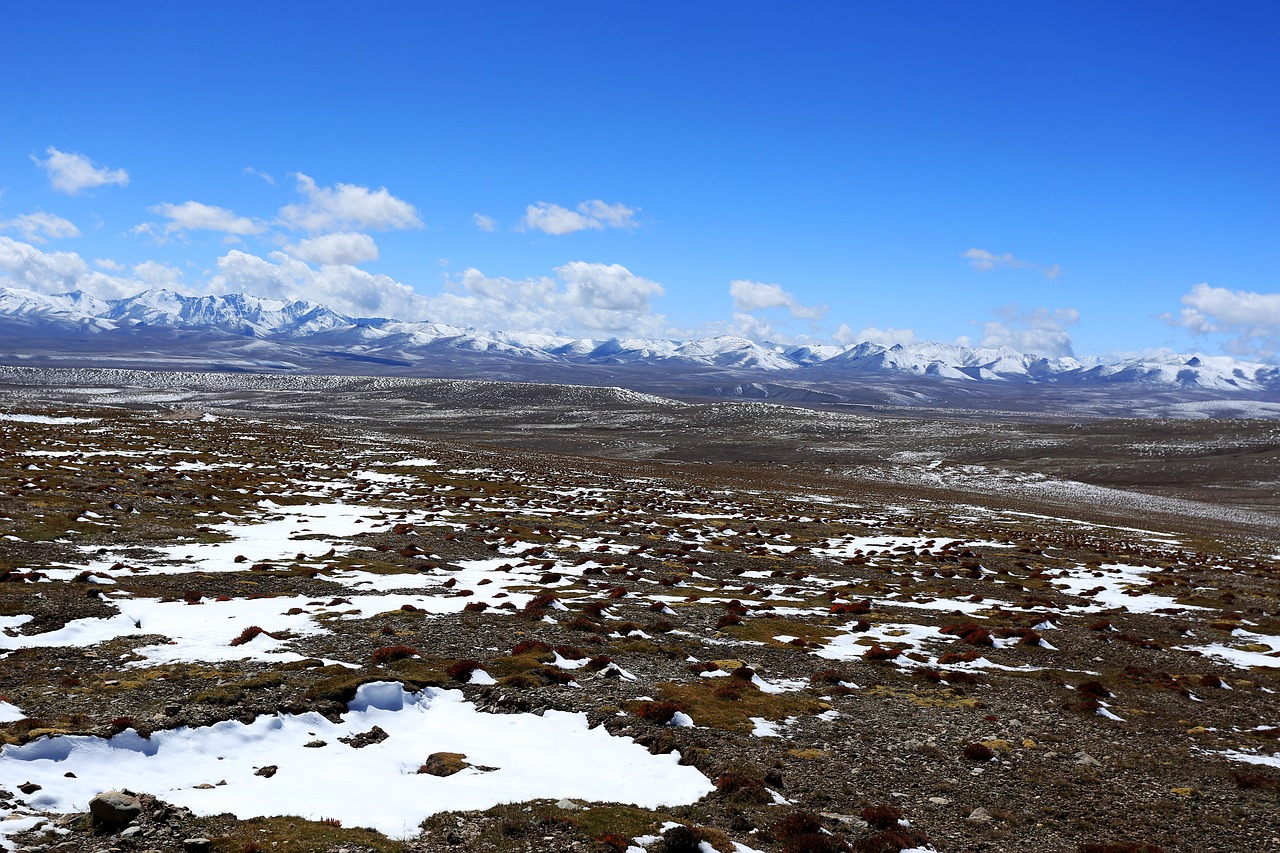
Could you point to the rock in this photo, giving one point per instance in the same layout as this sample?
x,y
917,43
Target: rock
x,y
369,738
568,805
940,801
1087,760
980,815
115,809
444,763
131,831
268,771
29,787
197,845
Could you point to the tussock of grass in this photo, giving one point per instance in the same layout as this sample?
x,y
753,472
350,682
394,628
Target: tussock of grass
x,y
701,702
298,835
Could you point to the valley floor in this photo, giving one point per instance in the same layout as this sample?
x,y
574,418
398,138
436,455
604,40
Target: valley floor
x,y
461,615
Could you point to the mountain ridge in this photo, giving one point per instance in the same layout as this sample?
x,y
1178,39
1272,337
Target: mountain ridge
x,y
294,333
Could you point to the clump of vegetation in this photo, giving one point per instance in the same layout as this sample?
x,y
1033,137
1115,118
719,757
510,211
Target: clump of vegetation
x,y
971,633
248,634
657,712
978,752
878,653
387,654
462,670
802,832
882,816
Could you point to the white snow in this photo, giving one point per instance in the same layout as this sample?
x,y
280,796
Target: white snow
x,y
550,756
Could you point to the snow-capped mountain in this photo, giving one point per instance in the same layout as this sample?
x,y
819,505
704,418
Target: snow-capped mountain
x,y
238,331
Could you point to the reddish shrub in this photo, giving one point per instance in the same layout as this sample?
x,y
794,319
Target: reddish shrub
x,y
387,654
728,620
657,712
741,787
524,647
248,634
599,662
882,816
1096,689
461,671
979,752
958,657
880,653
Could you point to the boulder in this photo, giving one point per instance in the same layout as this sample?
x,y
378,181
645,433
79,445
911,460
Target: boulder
x,y
115,809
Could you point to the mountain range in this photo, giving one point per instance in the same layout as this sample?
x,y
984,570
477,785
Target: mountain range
x,y
239,332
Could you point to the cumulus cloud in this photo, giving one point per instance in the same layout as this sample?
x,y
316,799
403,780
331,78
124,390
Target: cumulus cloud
x,y
484,223
154,274
1040,331
985,261
581,299
347,207
342,287
72,173
594,214
344,247
195,216
108,264
885,337
24,266
1251,320
41,227
752,296
584,298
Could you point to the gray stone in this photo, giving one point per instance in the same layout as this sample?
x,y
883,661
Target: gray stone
x,y
197,845
980,815
115,809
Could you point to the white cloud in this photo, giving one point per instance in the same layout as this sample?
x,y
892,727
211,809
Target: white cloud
x,y
1252,320
752,296
347,206
41,227
108,264
584,298
157,275
24,266
342,287
885,337
594,214
484,223
258,173
71,173
194,216
1040,331
344,247
985,261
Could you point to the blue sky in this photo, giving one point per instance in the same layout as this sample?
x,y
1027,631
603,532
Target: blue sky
x,y
1087,178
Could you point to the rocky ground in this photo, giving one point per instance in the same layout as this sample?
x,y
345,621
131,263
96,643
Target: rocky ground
x,y
853,661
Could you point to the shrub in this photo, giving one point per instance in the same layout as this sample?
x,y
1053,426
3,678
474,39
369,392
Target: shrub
x,y
657,712
742,788
461,670
248,634
880,653
882,816
387,654
979,752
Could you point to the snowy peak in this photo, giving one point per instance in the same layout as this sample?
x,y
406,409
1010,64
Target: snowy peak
x,y
307,327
